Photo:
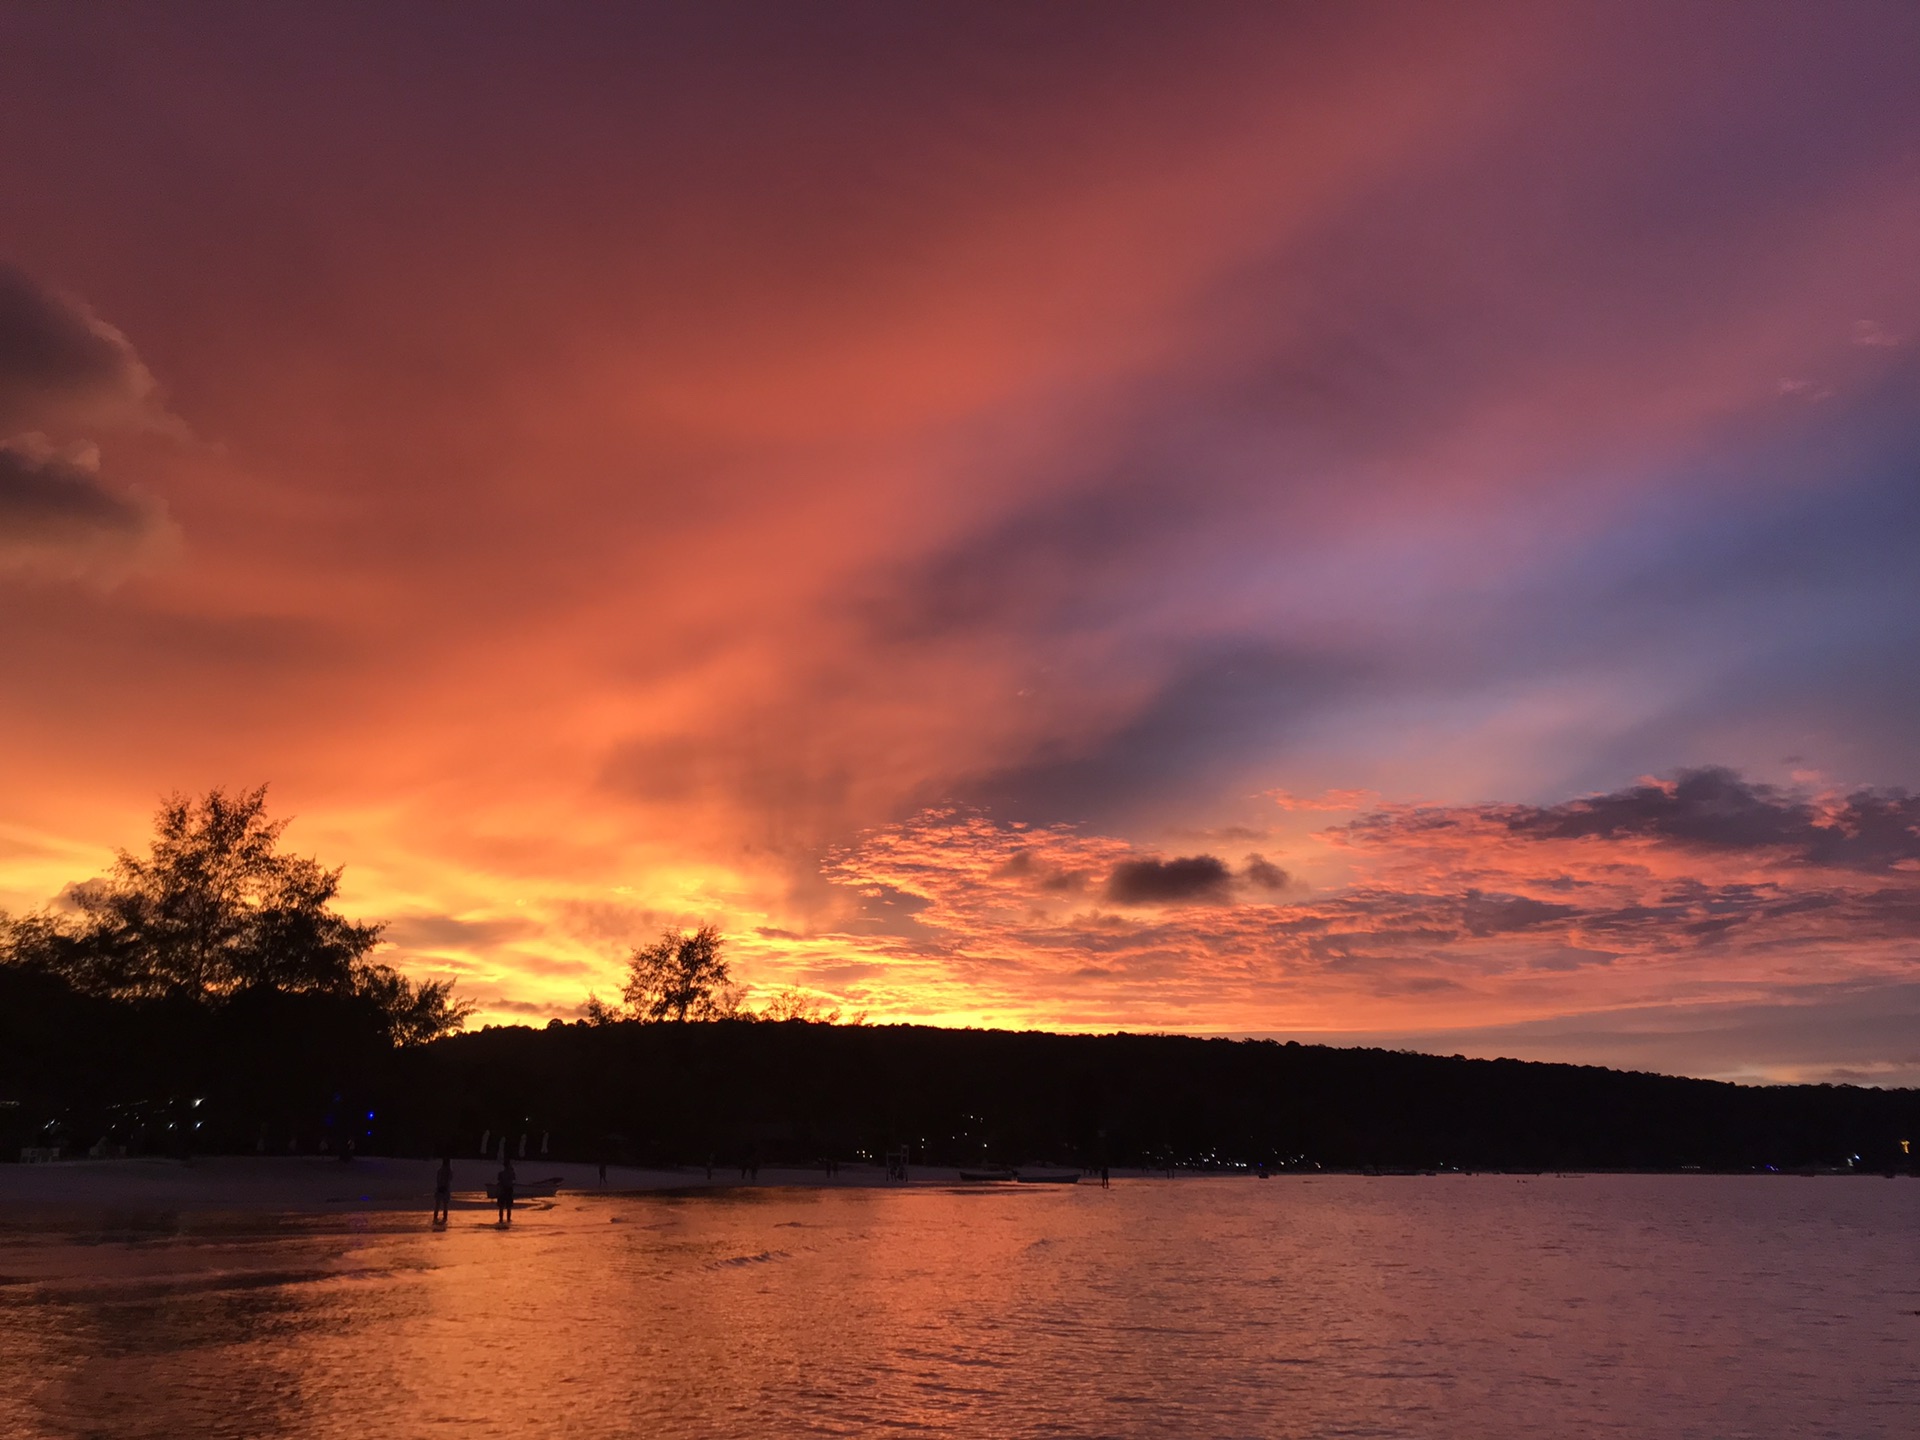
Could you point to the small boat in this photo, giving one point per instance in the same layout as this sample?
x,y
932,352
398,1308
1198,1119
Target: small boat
x,y
986,1175
529,1189
1049,1177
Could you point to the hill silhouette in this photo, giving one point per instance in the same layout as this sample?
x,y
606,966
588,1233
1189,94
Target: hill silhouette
x,y
796,1091
274,1071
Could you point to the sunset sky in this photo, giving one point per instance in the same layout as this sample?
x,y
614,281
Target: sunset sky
x,y
1391,523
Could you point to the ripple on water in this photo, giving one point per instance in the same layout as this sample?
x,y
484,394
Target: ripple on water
x,y
1450,1306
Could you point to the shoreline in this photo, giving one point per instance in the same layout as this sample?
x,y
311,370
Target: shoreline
x,y
322,1185
325,1185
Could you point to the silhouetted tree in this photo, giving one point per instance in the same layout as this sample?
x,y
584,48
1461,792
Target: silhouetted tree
x,y
796,1004
680,977
598,1012
415,1012
213,910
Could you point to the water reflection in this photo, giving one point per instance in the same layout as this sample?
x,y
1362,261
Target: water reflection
x,y
1483,1306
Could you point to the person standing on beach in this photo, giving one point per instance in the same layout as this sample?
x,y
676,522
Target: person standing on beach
x,y
503,1192
443,1191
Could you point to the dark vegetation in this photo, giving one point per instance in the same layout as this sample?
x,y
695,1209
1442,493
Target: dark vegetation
x,y
794,1092
311,1069
212,966
206,997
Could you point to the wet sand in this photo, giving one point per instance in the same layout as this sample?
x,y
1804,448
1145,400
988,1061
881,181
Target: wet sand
x,y
319,1184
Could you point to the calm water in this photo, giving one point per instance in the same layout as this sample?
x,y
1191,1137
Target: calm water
x,y
1451,1306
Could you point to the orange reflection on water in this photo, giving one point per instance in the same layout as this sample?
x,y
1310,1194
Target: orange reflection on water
x,y
1491,1306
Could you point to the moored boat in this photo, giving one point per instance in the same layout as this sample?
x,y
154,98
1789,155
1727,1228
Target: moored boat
x,y
986,1175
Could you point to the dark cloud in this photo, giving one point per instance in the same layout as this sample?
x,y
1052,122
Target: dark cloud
x,y
57,516
1713,808
1019,865
1186,879
64,371
1023,865
1566,959
1265,875
1365,923
1709,809
529,1007
887,910
1506,914
59,363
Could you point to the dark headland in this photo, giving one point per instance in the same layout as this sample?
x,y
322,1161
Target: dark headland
x,y
305,1076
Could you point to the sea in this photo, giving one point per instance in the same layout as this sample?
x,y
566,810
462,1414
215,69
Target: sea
x,y
1482,1306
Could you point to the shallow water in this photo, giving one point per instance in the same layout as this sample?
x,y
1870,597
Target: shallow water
x,y
1449,1306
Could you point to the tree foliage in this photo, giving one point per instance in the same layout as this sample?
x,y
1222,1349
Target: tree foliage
x,y
598,1012
415,1011
680,977
213,910
794,1092
685,977
792,1004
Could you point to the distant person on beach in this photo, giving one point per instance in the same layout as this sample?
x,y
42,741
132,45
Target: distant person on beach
x,y
443,1191
503,1193
1106,1178
603,1174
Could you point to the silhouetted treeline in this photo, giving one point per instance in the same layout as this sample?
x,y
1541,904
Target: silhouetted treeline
x,y
174,1074
215,911
214,964
795,1092
273,1069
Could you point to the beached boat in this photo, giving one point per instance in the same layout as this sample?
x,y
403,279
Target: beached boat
x,y
984,1175
529,1189
1049,1177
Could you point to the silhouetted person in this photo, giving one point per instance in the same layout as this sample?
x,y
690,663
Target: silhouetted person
x,y
1106,1178
443,1191
503,1193
603,1174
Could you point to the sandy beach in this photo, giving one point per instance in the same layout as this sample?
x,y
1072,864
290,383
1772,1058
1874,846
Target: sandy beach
x,y
321,1185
